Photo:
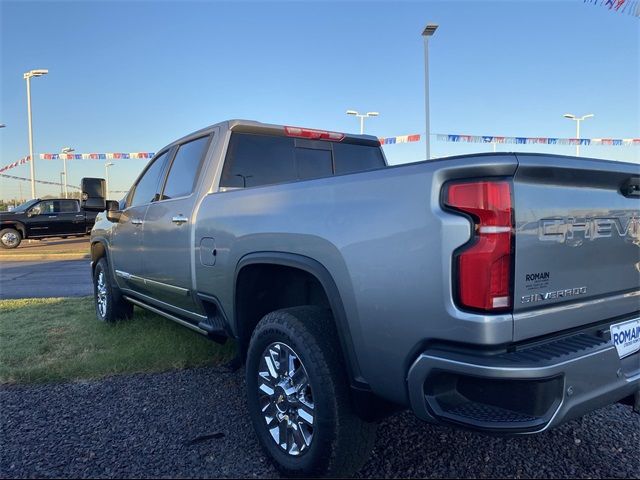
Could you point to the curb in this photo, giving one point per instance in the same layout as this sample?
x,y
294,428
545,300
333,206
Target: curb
x,y
35,256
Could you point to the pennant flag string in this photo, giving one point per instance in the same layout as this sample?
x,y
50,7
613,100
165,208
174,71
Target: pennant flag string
x,y
459,138
22,161
629,7
95,156
617,142
416,137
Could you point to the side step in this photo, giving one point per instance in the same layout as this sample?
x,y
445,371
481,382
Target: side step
x,y
215,331
182,322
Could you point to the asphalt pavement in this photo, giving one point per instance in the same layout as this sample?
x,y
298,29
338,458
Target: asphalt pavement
x,y
45,278
194,424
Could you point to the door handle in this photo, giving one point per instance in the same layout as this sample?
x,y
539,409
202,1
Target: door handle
x,y
136,221
179,219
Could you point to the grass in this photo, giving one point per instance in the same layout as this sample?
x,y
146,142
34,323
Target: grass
x,y
58,339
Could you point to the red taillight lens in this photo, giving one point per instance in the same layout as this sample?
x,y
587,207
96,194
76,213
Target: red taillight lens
x,y
484,268
313,134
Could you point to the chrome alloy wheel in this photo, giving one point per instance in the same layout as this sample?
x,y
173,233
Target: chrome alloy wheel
x,y
286,399
10,239
101,292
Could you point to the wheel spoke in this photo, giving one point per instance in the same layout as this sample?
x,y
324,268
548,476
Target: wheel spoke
x,y
299,437
305,412
266,389
283,361
272,369
299,378
283,435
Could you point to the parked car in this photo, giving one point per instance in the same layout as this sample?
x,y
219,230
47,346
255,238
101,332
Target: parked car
x,y
38,219
494,292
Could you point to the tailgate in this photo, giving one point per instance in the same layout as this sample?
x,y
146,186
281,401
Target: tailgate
x,y
577,243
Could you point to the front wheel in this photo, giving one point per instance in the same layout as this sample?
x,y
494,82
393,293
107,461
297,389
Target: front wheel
x,y
298,396
10,238
110,306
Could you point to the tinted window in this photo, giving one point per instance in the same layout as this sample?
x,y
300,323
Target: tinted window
x,y
44,207
184,169
147,187
69,206
254,160
313,163
258,160
351,158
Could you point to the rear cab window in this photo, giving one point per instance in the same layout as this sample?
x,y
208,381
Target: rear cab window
x,y
255,159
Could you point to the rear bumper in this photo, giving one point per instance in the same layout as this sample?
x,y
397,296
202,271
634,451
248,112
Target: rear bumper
x,y
525,391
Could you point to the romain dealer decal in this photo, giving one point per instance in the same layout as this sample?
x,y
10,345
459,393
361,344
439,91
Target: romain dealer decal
x,y
553,295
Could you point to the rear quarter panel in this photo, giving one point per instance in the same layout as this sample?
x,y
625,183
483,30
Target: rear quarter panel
x,y
385,240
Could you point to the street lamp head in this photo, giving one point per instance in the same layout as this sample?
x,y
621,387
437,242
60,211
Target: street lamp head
x,y
352,112
36,73
67,150
372,114
568,115
588,116
110,164
2,125
430,29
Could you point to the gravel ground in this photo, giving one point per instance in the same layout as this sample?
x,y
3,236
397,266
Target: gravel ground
x,y
193,423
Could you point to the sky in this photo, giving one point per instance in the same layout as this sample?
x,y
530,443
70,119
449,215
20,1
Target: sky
x,y
130,76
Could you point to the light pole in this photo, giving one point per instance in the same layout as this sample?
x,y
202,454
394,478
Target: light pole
x,y
27,76
62,184
428,32
65,151
106,175
570,116
362,117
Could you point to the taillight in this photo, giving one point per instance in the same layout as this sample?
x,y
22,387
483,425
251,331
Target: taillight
x,y
313,134
484,267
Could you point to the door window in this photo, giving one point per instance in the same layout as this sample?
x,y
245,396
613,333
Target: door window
x,y
69,206
44,208
147,187
184,169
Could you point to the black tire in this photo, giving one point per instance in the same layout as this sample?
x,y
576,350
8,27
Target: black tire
x,y
10,238
341,442
104,289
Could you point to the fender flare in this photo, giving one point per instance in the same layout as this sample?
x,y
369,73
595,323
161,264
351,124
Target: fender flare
x,y
327,282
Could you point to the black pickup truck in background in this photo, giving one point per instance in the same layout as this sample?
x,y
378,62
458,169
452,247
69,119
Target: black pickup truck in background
x,y
37,219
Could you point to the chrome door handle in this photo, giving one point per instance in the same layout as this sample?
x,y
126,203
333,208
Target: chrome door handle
x,y
136,221
179,219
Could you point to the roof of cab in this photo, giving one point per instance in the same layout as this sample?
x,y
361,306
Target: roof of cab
x,y
252,126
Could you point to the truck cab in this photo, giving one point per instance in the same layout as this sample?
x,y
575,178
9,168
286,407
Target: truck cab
x,y
44,218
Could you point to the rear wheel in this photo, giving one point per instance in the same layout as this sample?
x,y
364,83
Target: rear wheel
x,y
298,396
10,238
110,306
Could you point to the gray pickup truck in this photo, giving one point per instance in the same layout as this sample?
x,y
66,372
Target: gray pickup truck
x,y
495,292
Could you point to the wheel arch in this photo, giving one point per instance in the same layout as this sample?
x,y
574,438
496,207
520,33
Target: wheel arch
x,y
19,226
243,326
99,249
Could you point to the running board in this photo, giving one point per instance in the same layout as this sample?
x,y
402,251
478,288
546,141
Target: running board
x,y
166,315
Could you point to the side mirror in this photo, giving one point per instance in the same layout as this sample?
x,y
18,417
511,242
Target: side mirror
x,y
113,211
93,196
